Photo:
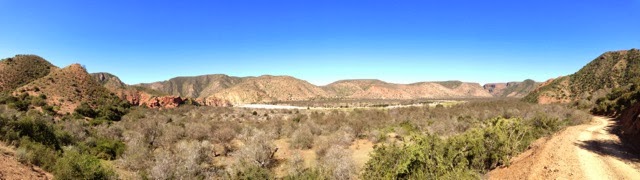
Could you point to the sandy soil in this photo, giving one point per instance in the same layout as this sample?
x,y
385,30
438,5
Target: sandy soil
x,y
10,168
586,151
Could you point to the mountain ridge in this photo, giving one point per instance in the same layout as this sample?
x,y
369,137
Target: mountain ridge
x,y
226,90
272,88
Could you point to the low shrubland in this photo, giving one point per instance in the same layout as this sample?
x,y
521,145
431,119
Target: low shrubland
x,y
190,142
43,143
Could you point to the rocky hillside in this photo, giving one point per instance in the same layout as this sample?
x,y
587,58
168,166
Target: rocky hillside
x,y
140,95
109,81
213,89
194,87
610,70
610,85
67,88
511,89
22,69
376,89
270,89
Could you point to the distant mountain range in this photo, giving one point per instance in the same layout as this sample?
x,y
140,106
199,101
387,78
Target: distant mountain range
x,y
264,89
66,88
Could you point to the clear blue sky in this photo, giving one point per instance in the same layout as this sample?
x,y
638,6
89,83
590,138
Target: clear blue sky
x,y
322,41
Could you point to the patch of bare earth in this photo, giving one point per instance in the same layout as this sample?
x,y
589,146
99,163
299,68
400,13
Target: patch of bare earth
x,y
10,168
586,151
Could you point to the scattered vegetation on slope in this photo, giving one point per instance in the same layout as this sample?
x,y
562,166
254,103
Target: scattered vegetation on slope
x,y
20,70
73,90
595,80
67,154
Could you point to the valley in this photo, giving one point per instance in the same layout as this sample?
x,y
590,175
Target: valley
x,y
79,125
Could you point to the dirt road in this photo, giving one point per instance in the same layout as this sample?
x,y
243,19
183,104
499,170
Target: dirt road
x,y
586,151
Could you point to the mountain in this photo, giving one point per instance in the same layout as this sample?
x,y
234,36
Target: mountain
x,y
270,89
194,87
139,95
210,89
67,88
109,81
610,85
22,69
511,89
376,89
608,71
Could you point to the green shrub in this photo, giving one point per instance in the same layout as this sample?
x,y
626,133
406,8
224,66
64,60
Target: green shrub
x,y
308,174
38,154
19,105
106,149
111,109
38,101
74,165
85,110
37,130
463,156
48,110
250,171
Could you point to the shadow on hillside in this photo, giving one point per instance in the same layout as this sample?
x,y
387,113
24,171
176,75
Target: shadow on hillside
x,y
609,148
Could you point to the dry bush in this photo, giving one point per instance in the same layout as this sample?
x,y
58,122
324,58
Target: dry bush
x,y
224,135
338,164
189,156
342,138
321,145
77,129
376,136
185,161
137,155
169,134
197,131
163,166
258,149
302,138
296,164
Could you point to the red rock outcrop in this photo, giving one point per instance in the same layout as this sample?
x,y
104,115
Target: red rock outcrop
x,y
164,102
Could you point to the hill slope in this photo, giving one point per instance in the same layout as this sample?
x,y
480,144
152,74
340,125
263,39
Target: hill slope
x,y
67,88
194,87
210,89
376,89
270,89
610,85
610,70
22,69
